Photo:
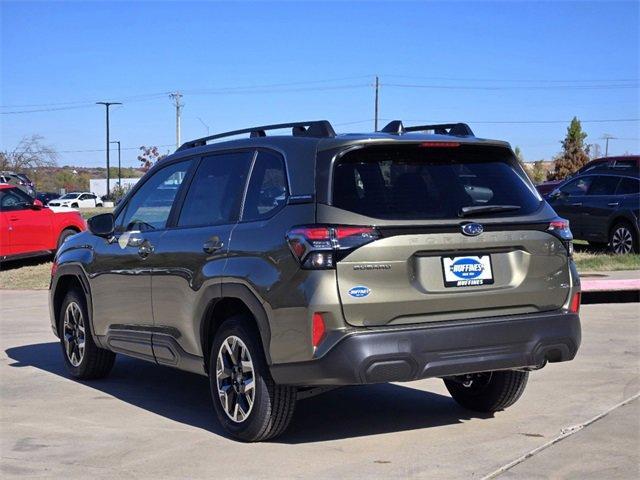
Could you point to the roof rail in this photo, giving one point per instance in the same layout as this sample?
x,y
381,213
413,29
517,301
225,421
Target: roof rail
x,y
316,128
396,127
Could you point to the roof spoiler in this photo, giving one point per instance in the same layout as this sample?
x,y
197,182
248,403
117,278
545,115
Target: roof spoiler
x,y
396,127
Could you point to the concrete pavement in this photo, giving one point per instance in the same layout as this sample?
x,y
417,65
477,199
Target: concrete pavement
x,y
146,421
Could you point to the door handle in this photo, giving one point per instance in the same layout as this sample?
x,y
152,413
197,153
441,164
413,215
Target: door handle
x,y
613,204
212,245
145,249
577,204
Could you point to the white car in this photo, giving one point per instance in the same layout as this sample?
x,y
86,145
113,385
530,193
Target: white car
x,y
76,200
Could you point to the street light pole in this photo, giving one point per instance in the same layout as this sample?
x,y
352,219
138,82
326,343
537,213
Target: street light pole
x,y
119,164
107,105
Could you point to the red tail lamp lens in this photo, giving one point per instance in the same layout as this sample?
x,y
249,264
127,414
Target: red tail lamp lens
x,y
318,329
574,306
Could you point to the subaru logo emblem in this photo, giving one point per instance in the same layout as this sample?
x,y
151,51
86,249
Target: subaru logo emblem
x,y
472,229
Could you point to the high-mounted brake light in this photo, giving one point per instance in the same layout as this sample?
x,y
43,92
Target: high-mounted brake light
x,y
439,144
318,247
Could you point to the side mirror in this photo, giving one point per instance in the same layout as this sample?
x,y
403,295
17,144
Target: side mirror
x,y
555,194
102,225
37,204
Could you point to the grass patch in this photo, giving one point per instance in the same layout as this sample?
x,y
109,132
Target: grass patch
x,y
26,274
601,261
90,212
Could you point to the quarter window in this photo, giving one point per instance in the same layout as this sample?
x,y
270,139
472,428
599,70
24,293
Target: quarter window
x,y
215,193
267,191
149,208
628,186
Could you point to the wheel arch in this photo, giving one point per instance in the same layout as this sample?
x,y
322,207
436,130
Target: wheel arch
x,y
66,278
233,299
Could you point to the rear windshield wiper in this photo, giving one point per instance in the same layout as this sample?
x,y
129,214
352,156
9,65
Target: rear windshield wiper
x,y
481,209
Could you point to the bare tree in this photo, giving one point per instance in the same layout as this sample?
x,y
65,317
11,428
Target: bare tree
x,y
30,153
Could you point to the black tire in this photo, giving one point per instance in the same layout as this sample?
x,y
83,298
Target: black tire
x,y
99,205
623,239
67,232
94,362
488,391
75,205
273,405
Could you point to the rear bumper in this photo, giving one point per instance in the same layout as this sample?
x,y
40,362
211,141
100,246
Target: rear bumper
x,y
455,348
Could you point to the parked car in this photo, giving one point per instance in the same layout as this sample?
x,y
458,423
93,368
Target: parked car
x,y
29,229
602,207
77,200
282,266
46,197
623,163
20,180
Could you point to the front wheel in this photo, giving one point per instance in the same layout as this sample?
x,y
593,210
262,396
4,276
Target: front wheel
x,y
249,405
66,233
83,358
487,391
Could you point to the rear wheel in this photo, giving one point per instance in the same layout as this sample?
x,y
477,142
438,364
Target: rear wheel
x,y
83,358
249,405
623,239
74,205
66,233
487,391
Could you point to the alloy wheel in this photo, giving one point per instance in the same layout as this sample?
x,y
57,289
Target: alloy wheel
x,y
622,240
74,334
235,379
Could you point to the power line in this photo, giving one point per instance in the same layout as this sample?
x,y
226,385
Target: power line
x,y
525,122
514,87
512,80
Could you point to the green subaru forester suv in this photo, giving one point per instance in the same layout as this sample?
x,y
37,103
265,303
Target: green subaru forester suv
x,y
281,266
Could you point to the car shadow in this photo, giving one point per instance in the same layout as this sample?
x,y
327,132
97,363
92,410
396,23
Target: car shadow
x,y
184,397
26,262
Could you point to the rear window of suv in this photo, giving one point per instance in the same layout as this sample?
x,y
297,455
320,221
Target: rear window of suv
x,y
420,182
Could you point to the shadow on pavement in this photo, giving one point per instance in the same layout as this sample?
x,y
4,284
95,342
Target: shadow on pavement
x,y
184,397
26,262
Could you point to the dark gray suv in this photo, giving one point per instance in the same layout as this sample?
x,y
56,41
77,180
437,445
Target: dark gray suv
x,y
284,265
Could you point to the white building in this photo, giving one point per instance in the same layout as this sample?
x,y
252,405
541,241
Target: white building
x,y
99,185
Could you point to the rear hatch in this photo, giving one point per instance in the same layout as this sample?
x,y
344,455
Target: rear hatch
x,y
461,234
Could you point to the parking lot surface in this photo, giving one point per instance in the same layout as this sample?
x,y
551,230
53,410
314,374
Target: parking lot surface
x,y
153,422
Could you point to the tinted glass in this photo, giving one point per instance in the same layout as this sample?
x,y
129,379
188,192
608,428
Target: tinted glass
x,y
628,186
577,187
429,183
604,185
14,199
149,208
267,191
215,193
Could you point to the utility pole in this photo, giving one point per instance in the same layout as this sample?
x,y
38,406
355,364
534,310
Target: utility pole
x,y
107,105
376,106
205,125
606,137
176,97
119,164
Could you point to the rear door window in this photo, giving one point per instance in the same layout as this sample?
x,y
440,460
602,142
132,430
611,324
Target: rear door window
x,y
215,193
412,182
267,190
604,185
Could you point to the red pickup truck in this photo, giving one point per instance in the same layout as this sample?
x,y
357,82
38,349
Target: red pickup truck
x,y
28,229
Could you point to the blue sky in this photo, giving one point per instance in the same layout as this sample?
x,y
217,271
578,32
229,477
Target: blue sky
x,y
478,62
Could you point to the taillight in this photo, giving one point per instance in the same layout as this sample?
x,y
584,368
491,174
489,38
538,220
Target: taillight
x,y
319,247
54,268
439,144
560,228
317,329
574,306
